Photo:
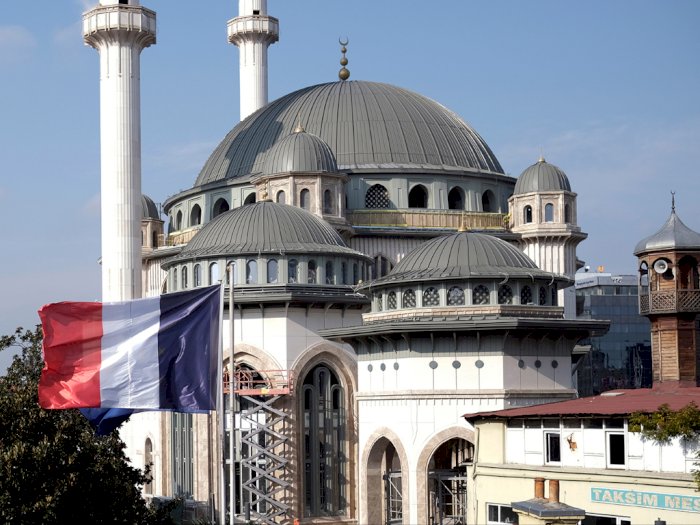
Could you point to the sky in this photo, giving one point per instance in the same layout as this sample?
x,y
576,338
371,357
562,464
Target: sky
x,y
608,90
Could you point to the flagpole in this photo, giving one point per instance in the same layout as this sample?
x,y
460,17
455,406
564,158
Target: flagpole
x,y
232,385
220,411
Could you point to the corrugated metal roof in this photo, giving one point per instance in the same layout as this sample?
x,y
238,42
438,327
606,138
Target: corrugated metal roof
x,y
673,235
265,228
468,255
300,152
612,403
542,176
364,123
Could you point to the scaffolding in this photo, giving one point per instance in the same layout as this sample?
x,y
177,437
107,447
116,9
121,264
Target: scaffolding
x,y
264,443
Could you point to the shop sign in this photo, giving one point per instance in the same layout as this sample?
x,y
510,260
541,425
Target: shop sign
x,y
653,500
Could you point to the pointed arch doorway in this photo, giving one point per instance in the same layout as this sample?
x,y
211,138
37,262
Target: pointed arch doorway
x,y
386,483
447,482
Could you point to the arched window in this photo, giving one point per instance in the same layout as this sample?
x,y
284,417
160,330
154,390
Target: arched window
x,y
197,275
481,295
505,294
567,213
527,214
154,239
525,295
281,197
250,199
143,239
344,272
543,296
232,270
455,296
327,202
330,273
251,271
324,453
409,299
213,273
196,215
272,271
148,463
488,202
355,274
644,278
184,277
455,199
178,221
311,272
379,301
549,212
391,301
175,272
292,268
220,206
305,199
554,295
431,297
377,197
418,197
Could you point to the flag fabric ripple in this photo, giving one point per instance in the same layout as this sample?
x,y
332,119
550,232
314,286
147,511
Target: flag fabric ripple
x,y
159,353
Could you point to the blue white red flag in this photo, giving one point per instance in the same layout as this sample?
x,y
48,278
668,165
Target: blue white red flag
x,y
158,353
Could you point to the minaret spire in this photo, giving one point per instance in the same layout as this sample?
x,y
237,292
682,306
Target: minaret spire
x,y
119,30
253,31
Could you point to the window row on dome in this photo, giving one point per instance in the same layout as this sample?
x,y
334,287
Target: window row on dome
x,y
257,271
428,296
378,197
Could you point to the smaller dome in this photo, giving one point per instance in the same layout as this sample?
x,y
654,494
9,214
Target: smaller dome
x,y
465,255
265,228
673,235
300,152
149,210
542,176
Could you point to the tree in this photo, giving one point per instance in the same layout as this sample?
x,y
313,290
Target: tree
x,y
53,468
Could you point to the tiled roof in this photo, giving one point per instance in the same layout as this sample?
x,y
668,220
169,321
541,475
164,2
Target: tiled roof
x,y
612,403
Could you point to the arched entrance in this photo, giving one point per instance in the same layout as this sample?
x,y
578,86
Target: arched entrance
x,y
386,484
447,482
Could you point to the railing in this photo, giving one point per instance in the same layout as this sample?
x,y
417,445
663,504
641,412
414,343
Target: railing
x,y
670,301
421,218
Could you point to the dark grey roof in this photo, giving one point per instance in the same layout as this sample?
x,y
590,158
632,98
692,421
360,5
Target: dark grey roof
x,y
265,228
300,152
149,208
465,255
364,123
542,176
544,508
673,235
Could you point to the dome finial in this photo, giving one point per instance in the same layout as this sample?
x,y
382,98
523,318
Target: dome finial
x,y
299,128
344,72
673,202
541,159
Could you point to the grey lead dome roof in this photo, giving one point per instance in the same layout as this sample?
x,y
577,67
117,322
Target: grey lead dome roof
x,y
265,228
542,176
366,124
673,235
300,152
149,210
465,255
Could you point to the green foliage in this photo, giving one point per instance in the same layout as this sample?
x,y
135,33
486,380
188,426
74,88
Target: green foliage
x,y
665,424
53,469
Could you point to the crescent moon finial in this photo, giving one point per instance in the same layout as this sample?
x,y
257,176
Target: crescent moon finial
x,y
344,72
344,43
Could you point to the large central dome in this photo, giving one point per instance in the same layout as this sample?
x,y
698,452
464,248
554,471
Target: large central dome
x,y
366,124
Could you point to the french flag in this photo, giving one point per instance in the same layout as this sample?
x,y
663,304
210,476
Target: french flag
x,y
158,353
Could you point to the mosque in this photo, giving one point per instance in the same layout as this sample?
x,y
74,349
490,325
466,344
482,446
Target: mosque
x,y
386,277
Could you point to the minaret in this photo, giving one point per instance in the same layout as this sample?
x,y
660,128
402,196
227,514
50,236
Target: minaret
x,y
253,32
120,30
669,295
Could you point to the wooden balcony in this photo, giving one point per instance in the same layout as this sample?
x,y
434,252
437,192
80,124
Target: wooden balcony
x,y
669,301
418,218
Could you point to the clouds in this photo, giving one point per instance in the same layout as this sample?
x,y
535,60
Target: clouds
x,y
16,45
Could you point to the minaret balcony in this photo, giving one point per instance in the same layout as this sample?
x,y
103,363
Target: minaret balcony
x,y
119,18
424,219
669,301
257,25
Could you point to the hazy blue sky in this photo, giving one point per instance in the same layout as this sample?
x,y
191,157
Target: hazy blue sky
x,y
607,90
